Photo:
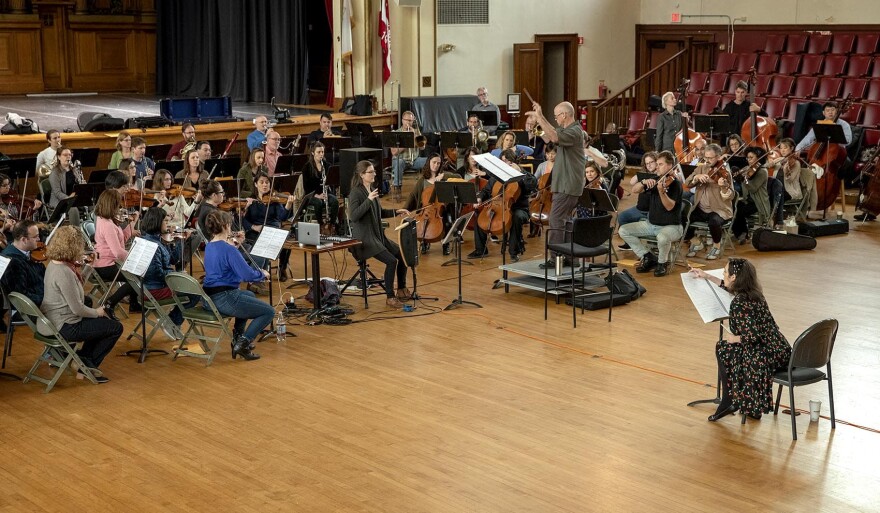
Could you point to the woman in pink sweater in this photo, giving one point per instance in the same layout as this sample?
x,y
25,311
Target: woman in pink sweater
x,y
110,239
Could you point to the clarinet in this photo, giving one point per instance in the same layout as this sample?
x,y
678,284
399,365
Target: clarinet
x,y
325,218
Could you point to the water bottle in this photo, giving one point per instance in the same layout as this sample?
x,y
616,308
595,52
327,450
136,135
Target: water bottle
x,y
280,328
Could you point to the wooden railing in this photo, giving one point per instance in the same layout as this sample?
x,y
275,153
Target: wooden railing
x,y
666,76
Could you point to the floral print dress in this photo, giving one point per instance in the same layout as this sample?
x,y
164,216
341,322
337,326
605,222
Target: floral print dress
x,y
750,364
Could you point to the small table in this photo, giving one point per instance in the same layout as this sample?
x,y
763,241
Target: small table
x,y
315,252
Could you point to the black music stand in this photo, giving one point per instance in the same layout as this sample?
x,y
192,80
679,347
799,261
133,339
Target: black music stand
x,y
98,176
87,194
457,194
506,175
717,398
829,133
15,168
172,166
488,117
455,233
712,124
285,182
334,144
409,252
61,209
393,139
225,167
361,132
522,137
87,157
596,199
610,142
293,163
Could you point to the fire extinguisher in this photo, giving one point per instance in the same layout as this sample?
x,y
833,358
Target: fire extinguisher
x,y
603,90
584,118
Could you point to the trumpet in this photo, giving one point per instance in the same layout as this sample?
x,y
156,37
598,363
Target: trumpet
x,y
537,131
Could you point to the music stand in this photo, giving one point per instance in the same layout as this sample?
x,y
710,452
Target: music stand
x,y
87,157
457,194
61,210
291,163
361,131
99,176
712,123
455,233
225,167
394,139
828,133
610,142
172,166
86,194
596,199
488,117
285,183
334,144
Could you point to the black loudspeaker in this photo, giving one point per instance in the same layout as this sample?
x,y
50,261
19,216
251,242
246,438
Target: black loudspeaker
x,y
98,122
348,159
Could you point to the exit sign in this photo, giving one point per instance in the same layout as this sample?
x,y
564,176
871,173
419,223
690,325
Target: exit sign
x,y
676,17
580,40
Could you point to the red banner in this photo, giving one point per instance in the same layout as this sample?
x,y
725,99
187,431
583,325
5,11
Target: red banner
x,y
385,41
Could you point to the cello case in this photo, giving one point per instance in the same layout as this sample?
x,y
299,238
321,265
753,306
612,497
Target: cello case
x,y
769,240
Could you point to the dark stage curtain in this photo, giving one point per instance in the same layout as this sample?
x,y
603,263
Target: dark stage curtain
x,y
250,50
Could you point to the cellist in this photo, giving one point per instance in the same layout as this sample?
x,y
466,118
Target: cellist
x,y
826,194
430,174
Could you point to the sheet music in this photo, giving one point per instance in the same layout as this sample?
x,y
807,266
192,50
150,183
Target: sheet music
x,y
4,263
140,256
269,242
496,167
711,301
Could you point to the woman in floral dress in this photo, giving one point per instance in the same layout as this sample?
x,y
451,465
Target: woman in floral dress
x,y
748,359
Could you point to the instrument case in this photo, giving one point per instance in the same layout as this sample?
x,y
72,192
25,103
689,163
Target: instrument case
x,y
769,240
824,227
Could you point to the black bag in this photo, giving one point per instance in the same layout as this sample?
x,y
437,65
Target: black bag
x,y
824,227
329,293
625,285
17,125
360,105
769,240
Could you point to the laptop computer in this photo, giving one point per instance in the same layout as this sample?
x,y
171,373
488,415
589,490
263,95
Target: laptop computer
x,y
309,234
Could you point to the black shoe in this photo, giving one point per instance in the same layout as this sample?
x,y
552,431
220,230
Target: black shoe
x,y
624,247
447,249
425,247
721,413
135,308
662,269
241,347
549,264
474,254
514,258
865,217
649,261
99,379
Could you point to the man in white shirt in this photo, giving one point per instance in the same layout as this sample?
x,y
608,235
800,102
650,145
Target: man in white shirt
x,y
47,156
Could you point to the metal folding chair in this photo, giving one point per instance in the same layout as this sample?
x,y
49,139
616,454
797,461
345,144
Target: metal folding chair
x,y
198,318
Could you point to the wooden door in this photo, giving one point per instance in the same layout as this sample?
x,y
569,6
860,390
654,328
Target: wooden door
x,y
53,19
528,65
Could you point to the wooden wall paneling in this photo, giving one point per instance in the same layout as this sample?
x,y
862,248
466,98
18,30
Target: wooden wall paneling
x,y
54,48
20,55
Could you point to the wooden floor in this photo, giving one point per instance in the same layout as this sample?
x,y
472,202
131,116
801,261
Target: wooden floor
x,y
481,410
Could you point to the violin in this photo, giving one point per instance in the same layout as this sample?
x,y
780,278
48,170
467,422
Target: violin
x,y
275,197
133,198
87,257
171,235
233,204
179,190
38,254
21,207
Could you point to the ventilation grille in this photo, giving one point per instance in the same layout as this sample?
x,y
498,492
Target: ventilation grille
x,y
462,12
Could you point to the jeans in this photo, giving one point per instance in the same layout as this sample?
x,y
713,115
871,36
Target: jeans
x,y
631,215
176,316
108,274
244,305
393,263
98,335
399,165
666,236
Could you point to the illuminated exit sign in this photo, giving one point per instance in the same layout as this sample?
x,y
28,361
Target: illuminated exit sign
x,y
676,17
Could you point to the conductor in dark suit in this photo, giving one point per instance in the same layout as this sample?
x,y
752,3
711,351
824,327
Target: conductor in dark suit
x,y
365,216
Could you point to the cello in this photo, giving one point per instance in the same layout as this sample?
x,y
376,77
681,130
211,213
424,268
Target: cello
x,y
870,201
829,157
430,217
762,131
497,216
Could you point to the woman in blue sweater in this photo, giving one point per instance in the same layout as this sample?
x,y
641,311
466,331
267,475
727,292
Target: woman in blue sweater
x,y
225,269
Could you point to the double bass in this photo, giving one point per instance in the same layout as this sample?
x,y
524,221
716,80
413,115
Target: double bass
x,y
762,131
686,139
829,157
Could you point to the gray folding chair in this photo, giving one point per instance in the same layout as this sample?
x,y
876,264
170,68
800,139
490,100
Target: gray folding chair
x,y
810,352
198,318
98,288
154,315
701,228
10,330
58,352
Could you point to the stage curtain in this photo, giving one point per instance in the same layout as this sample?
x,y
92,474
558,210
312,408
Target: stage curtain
x,y
250,50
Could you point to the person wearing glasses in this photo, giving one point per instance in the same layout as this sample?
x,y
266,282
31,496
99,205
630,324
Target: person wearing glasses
x,y
486,106
273,143
24,275
405,158
212,197
61,179
123,149
189,136
568,169
256,138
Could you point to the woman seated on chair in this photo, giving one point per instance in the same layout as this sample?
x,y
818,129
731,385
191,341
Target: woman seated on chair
x,y
272,214
748,358
713,199
178,208
61,178
225,269
248,172
507,141
123,149
547,165
111,234
156,229
595,180
430,174
734,143
314,176
365,216
193,172
65,307
798,181
470,169
755,195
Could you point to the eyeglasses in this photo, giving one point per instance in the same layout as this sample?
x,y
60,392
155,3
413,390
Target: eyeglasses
x,y
409,120
372,172
556,115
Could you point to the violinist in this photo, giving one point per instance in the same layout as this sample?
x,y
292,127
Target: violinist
x,y
249,170
46,158
212,197
640,210
110,241
188,131
664,218
65,304
734,144
193,172
314,176
11,201
405,158
167,256
225,269
699,148
519,212
755,194
123,149
508,142
177,208
430,174
62,178
714,197
266,212
144,166
24,275
669,123
740,109
798,180
595,180
365,216
128,167
118,181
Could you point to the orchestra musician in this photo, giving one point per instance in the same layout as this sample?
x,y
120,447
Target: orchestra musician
x,y
669,123
734,143
188,131
65,305
714,197
62,178
547,165
595,180
249,170
638,211
128,167
664,217
212,196
829,110
748,359
365,215
486,106
473,127
256,138
535,141
259,214
10,201
225,269
755,195
203,148
699,148
123,149
272,149
470,169
430,174
314,177
740,109
507,141
119,181
326,128
568,169
177,209
797,180
23,274
46,158
405,158
193,172
110,243
144,166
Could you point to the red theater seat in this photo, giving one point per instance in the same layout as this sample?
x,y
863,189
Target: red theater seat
x,y
854,86
867,43
811,64
789,63
767,63
829,87
842,43
774,43
796,43
819,43
858,65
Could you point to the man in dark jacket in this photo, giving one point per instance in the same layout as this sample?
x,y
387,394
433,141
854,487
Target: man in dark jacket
x,y
24,275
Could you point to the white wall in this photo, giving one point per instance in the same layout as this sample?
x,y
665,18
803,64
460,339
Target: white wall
x,y
764,12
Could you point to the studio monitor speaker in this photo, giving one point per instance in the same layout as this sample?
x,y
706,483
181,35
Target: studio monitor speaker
x,y
349,158
409,3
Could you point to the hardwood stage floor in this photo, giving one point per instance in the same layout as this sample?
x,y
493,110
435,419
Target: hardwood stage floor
x,y
476,410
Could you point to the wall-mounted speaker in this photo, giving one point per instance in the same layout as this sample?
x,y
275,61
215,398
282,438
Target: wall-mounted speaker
x,y
409,3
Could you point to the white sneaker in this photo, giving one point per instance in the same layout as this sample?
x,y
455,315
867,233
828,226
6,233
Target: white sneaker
x,y
694,249
171,330
714,253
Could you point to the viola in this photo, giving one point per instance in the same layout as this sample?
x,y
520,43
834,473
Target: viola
x,y
275,197
233,204
430,217
133,199
497,216
179,190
